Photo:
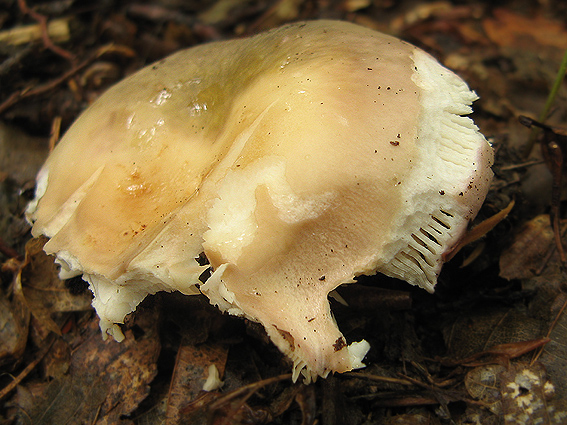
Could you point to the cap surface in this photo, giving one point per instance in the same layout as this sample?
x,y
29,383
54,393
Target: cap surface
x,y
295,160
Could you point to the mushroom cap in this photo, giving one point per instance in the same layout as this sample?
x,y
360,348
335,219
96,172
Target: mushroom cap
x,y
296,160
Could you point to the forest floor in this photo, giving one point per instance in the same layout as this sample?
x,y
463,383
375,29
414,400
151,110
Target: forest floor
x,y
488,347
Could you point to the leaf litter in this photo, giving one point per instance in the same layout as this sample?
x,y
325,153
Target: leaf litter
x,y
489,347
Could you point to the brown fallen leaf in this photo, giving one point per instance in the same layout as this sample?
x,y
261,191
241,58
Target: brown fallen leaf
x,y
106,380
57,360
501,353
306,398
481,328
528,397
483,384
230,408
44,292
14,323
15,382
550,301
532,251
520,394
21,155
479,231
510,29
190,374
553,145
421,418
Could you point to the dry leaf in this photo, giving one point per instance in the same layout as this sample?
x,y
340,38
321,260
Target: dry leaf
x,y
480,230
190,374
528,254
520,394
57,360
413,419
14,323
477,330
231,408
106,380
509,29
551,299
528,397
21,155
483,383
44,292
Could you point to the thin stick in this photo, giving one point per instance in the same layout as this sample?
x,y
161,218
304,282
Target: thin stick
x,y
8,388
50,85
57,30
378,378
556,157
42,21
8,251
540,351
55,132
549,102
523,165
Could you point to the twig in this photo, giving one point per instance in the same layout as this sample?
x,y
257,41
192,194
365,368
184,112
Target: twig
x,y
8,251
479,231
50,85
57,30
553,144
405,402
555,214
55,132
14,59
522,165
417,382
8,388
545,260
28,92
248,390
378,378
42,21
236,399
540,351
549,102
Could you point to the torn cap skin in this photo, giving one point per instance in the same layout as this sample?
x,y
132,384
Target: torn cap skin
x,y
296,160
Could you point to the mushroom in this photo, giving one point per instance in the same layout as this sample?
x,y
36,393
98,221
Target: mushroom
x,y
295,160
